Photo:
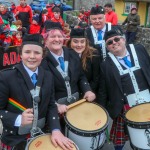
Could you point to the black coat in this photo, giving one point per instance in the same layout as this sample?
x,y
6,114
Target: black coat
x,y
97,46
16,84
111,94
92,71
78,81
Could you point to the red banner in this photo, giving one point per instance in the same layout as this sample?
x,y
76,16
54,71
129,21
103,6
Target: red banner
x,y
9,58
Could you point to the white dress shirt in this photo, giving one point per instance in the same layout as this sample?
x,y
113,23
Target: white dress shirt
x,y
30,72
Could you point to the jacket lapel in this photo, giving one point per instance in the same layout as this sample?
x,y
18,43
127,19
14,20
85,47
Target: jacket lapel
x,y
28,84
52,63
116,74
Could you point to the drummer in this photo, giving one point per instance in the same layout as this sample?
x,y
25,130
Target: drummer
x,y
16,103
70,81
125,81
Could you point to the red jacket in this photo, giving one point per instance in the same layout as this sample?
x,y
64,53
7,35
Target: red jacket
x,y
60,20
1,20
45,17
17,42
112,18
25,14
33,29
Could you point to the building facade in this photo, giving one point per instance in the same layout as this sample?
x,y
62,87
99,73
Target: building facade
x,y
123,7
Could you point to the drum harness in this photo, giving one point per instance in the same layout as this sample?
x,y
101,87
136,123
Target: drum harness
x,y
138,96
102,42
35,130
70,97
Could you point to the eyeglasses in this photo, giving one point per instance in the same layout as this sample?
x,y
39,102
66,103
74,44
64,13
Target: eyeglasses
x,y
116,39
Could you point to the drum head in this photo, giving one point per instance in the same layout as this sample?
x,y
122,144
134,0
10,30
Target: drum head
x,y
43,142
139,113
87,117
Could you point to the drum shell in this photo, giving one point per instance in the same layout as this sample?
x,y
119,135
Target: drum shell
x,y
138,138
139,132
94,139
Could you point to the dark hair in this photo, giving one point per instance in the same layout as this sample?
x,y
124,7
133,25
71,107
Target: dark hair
x,y
108,5
56,9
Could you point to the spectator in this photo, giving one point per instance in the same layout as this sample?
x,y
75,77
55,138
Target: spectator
x,y
35,27
18,40
24,13
45,15
18,24
132,21
6,15
58,4
57,17
110,15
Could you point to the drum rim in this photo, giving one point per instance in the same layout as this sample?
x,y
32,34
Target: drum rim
x,y
91,131
31,139
136,124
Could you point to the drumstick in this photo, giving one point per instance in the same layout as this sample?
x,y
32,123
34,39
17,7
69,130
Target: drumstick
x,y
76,103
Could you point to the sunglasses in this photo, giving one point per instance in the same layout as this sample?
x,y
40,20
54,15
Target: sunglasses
x,y
116,39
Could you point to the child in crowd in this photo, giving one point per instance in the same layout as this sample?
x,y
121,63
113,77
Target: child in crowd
x,y
57,17
17,41
45,16
35,28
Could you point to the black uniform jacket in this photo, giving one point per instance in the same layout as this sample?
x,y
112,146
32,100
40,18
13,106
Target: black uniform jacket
x,y
78,81
111,94
92,70
91,39
16,84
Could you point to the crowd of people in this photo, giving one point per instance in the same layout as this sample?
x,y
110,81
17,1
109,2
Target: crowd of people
x,y
90,61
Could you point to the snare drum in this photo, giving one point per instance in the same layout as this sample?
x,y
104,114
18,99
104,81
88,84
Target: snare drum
x,y
137,119
43,142
86,124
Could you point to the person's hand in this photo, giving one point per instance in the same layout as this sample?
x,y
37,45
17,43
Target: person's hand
x,y
27,117
16,13
58,139
89,96
61,108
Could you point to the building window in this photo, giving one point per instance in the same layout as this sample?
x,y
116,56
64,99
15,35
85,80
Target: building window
x,y
128,6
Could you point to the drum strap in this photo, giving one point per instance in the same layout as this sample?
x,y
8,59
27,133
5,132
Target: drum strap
x,y
36,99
66,78
129,70
102,42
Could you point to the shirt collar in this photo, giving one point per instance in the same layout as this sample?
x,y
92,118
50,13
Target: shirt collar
x,y
103,29
56,56
30,72
119,58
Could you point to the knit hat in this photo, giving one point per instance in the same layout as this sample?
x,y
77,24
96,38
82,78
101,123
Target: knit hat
x,y
111,33
35,39
36,18
77,33
97,10
134,8
49,25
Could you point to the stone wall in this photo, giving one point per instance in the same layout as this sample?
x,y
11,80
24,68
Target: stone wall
x,y
142,37
88,4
